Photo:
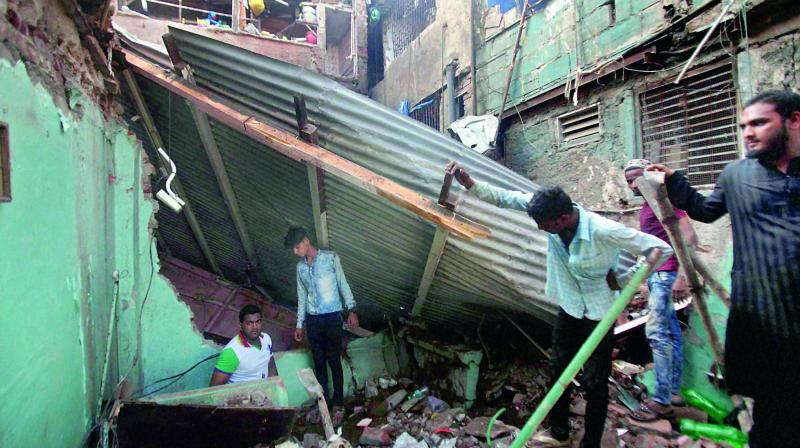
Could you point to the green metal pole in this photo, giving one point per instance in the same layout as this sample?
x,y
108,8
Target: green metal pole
x,y
585,351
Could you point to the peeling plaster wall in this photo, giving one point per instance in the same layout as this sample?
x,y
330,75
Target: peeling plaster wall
x,y
419,70
77,214
56,279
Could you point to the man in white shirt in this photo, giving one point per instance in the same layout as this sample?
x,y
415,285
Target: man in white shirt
x,y
248,356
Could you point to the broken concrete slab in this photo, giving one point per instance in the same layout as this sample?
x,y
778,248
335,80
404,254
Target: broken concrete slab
x,y
578,407
651,441
661,426
691,413
395,399
375,437
407,441
312,440
478,426
405,407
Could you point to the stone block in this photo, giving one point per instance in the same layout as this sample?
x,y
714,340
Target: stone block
x,y
375,437
618,35
653,19
555,70
595,22
640,5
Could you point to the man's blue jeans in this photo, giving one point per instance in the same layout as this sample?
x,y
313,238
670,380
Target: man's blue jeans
x,y
664,334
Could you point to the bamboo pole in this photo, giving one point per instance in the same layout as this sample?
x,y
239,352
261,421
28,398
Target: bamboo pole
x,y
522,21
586,350
651,186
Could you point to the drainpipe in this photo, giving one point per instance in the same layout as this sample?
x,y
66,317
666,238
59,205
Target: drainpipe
x,y
473,69
450,94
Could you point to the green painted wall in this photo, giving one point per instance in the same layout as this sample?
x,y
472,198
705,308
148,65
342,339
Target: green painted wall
x,y
55,274
78,214
548,53
364,358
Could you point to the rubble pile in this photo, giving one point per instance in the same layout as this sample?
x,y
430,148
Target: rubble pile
x,y
402,414
255,399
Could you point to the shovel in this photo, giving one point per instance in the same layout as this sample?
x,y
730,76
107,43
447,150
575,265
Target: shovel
x,y
312,386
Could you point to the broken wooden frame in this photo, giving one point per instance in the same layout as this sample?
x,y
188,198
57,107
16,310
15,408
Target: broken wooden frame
x,y
316,177
298,150
651,185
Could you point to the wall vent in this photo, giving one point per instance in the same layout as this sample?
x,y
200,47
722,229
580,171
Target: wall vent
x,y
580,124
692,126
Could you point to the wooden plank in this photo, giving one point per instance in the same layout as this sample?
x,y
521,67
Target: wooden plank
x,y
224,183
294,148
315,187
434,256
316,177
652,187
155,140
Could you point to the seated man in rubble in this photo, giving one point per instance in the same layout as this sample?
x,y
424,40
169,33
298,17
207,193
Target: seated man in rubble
x,y
582,249
248,356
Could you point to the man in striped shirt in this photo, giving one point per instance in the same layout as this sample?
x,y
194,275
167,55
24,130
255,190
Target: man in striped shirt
x,y
762,195
582,250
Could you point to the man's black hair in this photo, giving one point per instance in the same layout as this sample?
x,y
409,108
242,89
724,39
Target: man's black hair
x,y
785,102
294,236
248,309
549,203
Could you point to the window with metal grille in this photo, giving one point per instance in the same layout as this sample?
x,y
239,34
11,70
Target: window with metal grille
x,y
580,124
5,165
427,111
692,125
406,21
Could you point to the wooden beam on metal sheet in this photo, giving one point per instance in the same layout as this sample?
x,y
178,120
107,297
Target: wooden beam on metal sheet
x,y
315,187
224,182
155,139
431,265
316,177
654,191
296,149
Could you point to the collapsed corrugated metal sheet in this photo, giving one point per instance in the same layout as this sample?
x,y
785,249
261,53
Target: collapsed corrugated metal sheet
x,y
384,248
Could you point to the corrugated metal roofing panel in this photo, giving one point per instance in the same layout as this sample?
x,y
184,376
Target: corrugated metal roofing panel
x,y
173,227
383,247
273,194
179,134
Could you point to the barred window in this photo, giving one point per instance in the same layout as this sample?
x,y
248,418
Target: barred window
x,y
406,21
692,125
427,111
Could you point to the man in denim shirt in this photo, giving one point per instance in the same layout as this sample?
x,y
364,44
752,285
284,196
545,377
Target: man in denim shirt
x,y
663,330
582,248
321,288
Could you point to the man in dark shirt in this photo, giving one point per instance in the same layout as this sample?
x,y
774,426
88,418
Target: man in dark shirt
x,y
663,330
762,195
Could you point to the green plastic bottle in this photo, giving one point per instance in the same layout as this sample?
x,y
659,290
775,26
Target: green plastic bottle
x,y
714,410
715,433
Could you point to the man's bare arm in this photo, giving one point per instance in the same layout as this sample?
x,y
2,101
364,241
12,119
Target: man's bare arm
x,y
219,378
273,368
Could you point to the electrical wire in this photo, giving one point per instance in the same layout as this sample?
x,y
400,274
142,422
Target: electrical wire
x,y
175,378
